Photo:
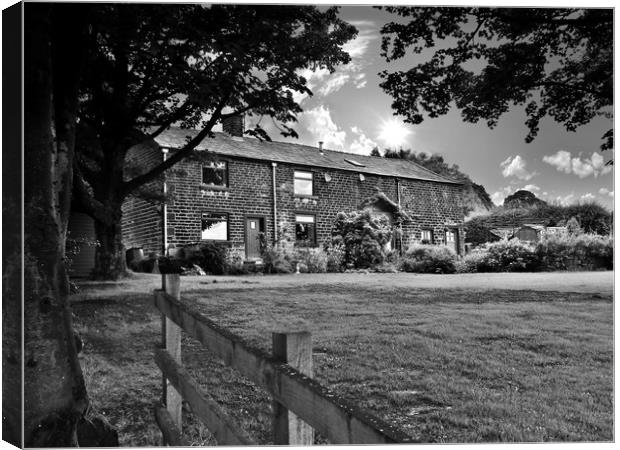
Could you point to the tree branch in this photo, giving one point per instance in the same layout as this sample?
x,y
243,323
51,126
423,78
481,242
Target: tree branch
x,y
83,201
176,115
129,186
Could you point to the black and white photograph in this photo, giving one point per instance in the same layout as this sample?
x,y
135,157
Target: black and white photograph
x,y
264,224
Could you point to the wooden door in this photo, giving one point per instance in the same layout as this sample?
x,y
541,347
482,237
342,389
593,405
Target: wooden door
x,y
452,240
253,228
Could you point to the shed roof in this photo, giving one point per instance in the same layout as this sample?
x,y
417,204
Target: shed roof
x,y
285,152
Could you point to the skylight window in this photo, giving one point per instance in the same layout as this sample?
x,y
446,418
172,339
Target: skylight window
x,y
354,162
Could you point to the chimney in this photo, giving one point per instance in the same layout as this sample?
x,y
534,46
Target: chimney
x,y
233,125
321,147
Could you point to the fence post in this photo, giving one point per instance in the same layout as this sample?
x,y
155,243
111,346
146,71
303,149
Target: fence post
x,y
171,341
295,349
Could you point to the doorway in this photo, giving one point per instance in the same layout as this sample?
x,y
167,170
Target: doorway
x,y
254,226
452,239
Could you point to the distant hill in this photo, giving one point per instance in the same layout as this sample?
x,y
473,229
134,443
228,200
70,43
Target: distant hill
x,y
476,200
522,199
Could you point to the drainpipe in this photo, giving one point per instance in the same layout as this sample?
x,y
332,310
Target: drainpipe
x,y
165,208
400,220
275,210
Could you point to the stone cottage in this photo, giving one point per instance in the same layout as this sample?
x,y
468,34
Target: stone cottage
x,y
248,188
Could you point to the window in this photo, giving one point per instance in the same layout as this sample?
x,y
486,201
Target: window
x,y
214,226
305,229
354,163
215,174
427,237
303,183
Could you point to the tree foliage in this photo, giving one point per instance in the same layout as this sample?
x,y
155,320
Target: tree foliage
x,y
555,62
193,65
363,235
590,217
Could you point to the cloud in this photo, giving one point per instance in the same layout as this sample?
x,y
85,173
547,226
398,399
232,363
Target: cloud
x,y
334,84
318,122
587,197
531,188
359,80
498,196
516,167
323,83
605,191
581,166
561,161
566,200
362,144
366,34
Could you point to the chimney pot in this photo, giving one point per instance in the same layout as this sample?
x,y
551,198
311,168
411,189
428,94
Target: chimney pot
x,y
321,146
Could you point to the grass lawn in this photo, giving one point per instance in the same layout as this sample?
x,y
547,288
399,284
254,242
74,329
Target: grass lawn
x,y
445,365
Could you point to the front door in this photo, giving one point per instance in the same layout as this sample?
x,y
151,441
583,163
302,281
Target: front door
x,y
253,228
452,240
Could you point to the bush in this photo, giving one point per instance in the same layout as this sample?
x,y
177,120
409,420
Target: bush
x,y
233,262
277,259
583,251
313,259
505,256
363,236
209,256
475,261
423,258
336,255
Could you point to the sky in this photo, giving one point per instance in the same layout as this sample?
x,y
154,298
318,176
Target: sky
x,y
350,112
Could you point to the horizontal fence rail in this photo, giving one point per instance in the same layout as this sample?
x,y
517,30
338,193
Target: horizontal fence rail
x,y
223,428
331,415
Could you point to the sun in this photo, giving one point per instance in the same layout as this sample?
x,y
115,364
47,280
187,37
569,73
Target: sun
x,y
393,133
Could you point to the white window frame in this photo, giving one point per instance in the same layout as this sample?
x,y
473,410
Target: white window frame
x,y
227,222
303,175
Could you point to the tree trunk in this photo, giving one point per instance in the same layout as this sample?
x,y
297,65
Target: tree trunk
x,y
110,263
54,392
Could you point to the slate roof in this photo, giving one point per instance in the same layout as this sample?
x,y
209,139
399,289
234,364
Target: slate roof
x,y
285,152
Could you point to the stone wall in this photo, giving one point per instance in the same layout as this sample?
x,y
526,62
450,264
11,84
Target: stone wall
x,y
430,205
250,193
142,222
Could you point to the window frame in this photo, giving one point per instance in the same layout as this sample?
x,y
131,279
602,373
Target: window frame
x,y
220,213
295,178
211,165
431,241
310,242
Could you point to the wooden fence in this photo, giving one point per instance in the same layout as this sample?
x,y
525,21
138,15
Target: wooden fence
x,y
300,404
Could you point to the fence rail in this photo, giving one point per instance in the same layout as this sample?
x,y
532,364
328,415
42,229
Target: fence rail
x,y
297,397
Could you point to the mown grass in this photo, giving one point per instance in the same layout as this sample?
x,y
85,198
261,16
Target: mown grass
x,y
444,365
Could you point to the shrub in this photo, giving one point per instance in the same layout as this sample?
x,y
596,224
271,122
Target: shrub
x,y
364,237
233,262
475,261
170,265
507,256
335,257
209,256
277,259
423,258
387,267
583,251
314,260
